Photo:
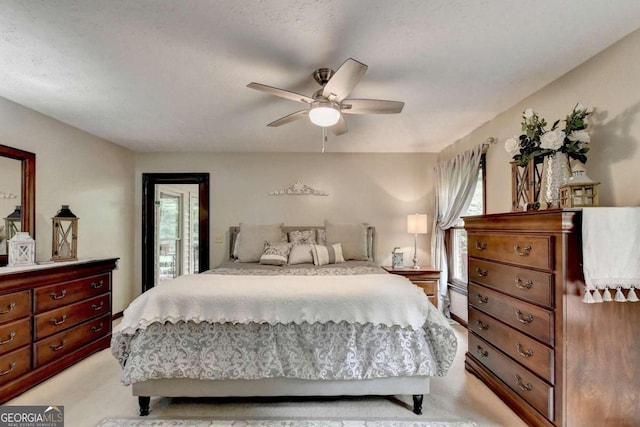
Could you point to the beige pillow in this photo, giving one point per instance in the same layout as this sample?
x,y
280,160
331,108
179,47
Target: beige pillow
x,y
251,239
352,237
300,254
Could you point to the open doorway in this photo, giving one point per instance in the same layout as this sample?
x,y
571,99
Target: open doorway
x,y
175,226
176,231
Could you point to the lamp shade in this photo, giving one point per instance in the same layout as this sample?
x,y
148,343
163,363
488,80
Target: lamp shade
x,y
417,224
324,114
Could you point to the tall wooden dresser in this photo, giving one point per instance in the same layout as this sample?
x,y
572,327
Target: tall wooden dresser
x,y
555,360
51,316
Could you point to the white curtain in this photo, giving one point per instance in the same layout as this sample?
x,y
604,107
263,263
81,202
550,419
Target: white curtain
x,y
455,182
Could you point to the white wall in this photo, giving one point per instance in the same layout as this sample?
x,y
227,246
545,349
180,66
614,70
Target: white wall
x,y
608,82
380,189
93,176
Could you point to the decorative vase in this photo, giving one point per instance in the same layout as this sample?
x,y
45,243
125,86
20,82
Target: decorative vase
x,y
555,173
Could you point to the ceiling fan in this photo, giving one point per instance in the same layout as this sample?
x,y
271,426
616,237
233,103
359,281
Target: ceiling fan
x,y
328,104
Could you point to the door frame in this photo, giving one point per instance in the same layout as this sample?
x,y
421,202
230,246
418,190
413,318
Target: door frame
x,y
149,180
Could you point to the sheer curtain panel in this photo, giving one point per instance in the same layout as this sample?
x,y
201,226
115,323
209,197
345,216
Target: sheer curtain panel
x,y
455,182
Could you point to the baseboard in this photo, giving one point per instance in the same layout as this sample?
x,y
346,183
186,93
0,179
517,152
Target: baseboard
x,y
460,320
116,315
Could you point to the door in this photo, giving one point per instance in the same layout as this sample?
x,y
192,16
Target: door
x,y
175,226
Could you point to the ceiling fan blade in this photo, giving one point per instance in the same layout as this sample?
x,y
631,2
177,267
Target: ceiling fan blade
x,y
370,106
290,118
340,127
344,80
280,92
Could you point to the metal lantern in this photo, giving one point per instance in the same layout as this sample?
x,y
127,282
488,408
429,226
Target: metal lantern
x,y
13,223
22,250
65,235
579,191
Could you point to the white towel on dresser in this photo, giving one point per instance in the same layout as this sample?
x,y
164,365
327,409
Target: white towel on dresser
x,y
611,253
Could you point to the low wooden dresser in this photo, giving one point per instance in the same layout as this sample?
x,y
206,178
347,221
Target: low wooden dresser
x,y
555,360
425,278
51,316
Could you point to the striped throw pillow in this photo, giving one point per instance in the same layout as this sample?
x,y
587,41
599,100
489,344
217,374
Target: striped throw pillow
x,y
323,255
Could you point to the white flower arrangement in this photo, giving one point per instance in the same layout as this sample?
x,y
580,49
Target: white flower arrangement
x,y
538,141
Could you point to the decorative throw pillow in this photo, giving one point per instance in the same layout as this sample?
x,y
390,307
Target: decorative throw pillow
x,y
302,237
353,238
323,255
321,236
301,254
275,253
250,240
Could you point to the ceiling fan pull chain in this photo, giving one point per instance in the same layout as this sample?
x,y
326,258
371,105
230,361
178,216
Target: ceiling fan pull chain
x,y
324,137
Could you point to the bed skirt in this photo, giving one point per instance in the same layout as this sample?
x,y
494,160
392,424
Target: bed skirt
x,y
185,387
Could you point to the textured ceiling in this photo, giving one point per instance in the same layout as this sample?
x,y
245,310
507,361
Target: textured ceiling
x,y
165,75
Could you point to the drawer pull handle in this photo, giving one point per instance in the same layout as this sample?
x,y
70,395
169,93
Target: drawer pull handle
x,y
482,300
521,386
525,252
481,245
57,322
526,354
12,366
58,347
526,285
526,320
481,325
97,285
481,272
96,307
97,329
53,295
10,307
482,352
11,335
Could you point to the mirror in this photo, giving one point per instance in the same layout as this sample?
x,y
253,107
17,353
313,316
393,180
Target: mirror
x,y
23,171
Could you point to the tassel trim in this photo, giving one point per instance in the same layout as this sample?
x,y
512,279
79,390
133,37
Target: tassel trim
x,y
594,296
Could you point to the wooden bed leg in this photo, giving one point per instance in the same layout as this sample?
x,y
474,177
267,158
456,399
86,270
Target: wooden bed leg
x,y
143,402
417,403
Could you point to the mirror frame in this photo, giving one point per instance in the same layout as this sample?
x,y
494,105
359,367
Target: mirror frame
x,y
28,195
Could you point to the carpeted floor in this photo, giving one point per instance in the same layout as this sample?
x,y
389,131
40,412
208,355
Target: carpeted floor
x,y
279,423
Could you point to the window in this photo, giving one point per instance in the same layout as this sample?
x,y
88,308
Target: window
x,y
457,238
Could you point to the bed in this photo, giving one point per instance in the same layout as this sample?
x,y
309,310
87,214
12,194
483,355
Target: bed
x,y
244,328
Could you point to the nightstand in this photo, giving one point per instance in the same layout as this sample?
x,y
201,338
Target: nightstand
x,y
425,277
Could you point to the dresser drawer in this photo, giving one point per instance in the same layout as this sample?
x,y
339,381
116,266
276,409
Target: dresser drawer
x,y
528,318
65,342
14,306
14,364
54,296
57,320
530,285
527,385
14,335
520,249
534,355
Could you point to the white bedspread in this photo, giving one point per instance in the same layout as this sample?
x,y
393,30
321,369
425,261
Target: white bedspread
x,y
610,242
365,298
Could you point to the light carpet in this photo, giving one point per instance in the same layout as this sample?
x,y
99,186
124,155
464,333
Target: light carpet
x,y
280,423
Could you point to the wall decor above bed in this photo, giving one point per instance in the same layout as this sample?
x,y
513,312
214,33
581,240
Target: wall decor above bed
x,y
298,189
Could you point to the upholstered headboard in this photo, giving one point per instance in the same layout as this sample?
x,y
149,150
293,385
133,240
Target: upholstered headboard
x,y
371,237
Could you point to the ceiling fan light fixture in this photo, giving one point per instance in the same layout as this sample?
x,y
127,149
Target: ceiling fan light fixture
x,y
324,113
